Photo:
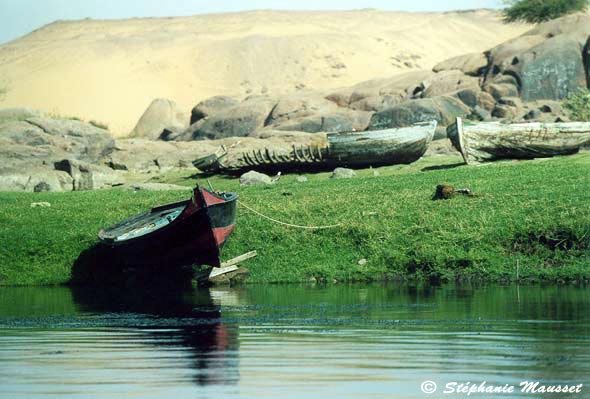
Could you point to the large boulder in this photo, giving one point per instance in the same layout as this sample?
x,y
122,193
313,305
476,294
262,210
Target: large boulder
x,y
17,114
40,141
87,176
298,106
367,96
544,63
339,120
443,109
474,64
474,97
34,180
211,106
160,115
142,155
447,82
237,121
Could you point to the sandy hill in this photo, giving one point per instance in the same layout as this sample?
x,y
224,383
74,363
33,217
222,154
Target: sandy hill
x,y
111,70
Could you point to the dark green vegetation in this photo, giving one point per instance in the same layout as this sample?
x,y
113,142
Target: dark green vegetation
x,y
530,216
578,105
537,11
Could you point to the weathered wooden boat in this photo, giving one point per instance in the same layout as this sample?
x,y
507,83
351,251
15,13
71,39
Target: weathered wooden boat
x,y
348,149
182,233
489,141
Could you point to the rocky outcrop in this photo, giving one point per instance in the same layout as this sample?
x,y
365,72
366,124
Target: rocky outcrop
x,y
40,141
18,114
162,114
544,63
447,82
379,94
474,64
238,121
30,145
34,180
443,109
211,106
87,176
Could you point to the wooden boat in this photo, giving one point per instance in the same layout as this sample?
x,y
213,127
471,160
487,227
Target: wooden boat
x,y
348,149
489,141
183,233
380,147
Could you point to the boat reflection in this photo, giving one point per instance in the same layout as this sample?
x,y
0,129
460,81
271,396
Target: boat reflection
x,y
188,322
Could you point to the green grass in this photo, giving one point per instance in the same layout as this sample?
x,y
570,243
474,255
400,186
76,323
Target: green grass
x,y
533,214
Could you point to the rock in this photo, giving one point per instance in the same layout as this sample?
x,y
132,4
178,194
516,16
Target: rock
x,y
376,103
211,106
551,107
504,112
544,63
156,156
42,204
39,141
480,114
161,114
301,179
238,121
253,178
533,114
514,102
343,173
87,176
34,180
443,109
474,97
447,82
41,187
156,187
336,121
501,90
308,112
397,88
298,106
474,64
18,114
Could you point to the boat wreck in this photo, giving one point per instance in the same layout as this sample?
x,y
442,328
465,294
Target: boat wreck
x,y
182,233
489,141
347,149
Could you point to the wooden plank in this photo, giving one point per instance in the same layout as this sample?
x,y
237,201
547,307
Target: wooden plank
x,y
217,271
238,259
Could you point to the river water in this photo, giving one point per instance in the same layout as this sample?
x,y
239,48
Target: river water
x,y
291,341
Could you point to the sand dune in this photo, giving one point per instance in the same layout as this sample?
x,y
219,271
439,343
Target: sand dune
x,y
111,70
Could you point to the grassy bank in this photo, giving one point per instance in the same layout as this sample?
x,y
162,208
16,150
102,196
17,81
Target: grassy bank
x,y
530,214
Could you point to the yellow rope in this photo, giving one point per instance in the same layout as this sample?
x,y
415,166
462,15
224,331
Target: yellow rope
x,y
289,224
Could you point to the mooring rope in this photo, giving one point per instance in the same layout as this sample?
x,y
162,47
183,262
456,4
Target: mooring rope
x,y
288,224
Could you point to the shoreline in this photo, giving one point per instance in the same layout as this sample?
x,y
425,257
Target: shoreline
x,y
530,213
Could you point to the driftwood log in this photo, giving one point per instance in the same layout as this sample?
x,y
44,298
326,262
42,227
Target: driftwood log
x,y
489,141
347,149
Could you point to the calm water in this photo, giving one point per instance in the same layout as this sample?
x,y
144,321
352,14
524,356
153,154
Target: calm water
x,y
357,341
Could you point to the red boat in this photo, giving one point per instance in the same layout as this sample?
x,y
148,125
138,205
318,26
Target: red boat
x,y
182,233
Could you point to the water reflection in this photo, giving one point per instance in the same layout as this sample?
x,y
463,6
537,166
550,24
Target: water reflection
x,y
188,321
288,341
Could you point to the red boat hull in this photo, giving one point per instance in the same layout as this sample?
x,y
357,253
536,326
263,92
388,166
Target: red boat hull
x,y
194,237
